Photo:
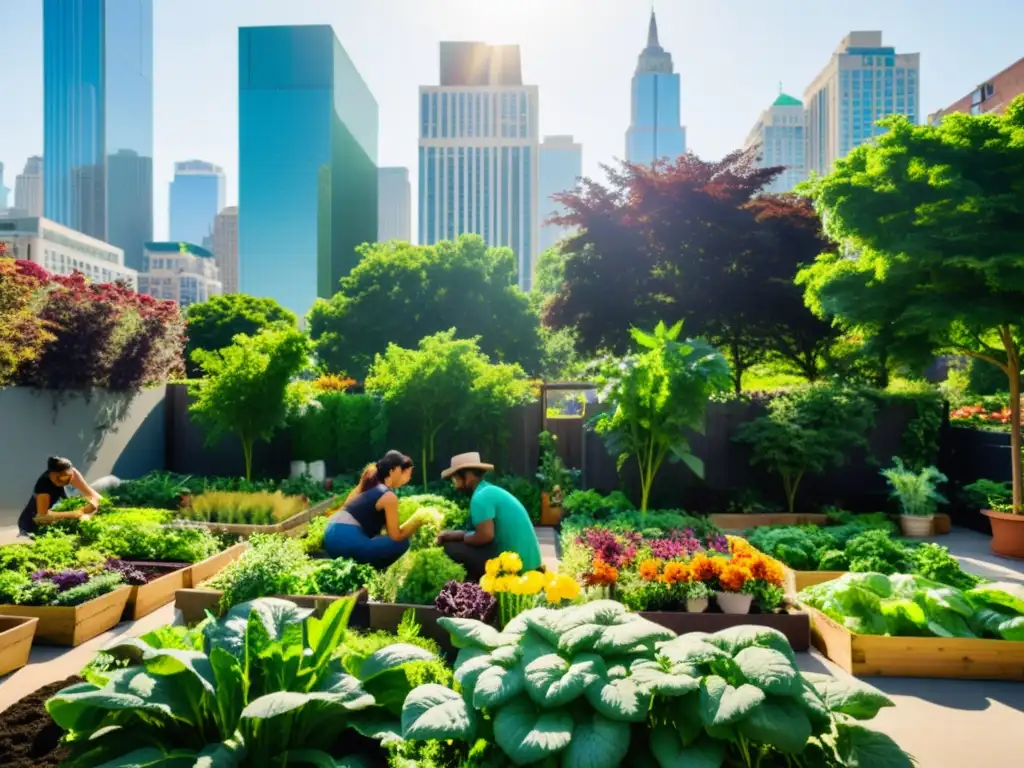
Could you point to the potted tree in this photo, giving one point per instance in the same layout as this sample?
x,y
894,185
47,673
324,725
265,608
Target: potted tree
x,y
555,480
917,496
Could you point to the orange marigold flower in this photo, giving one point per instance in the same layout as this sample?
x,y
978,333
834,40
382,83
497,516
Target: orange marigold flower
x,y
767,569
649,569
677,573
704,568
602,574
734,576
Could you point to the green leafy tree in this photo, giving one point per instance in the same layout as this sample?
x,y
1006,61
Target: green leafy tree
x,y
23,332
656,396
550,272
930,220
248,389
213,324
445,382
401,292
807,431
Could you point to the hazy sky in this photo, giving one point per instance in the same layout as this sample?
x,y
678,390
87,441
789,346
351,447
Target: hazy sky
x,y
731,55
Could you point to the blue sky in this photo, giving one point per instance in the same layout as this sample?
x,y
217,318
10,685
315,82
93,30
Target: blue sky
x,y
731,55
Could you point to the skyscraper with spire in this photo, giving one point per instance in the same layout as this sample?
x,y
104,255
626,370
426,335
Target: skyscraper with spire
x,y
655,132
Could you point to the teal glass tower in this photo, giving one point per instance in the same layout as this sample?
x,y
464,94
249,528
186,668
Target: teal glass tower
x,y
98,120
307,145
655,132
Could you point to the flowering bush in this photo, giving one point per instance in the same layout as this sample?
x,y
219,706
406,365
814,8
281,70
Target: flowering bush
x,y
983,416
517,592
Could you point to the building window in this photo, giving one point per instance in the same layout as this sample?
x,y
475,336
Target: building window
x,y
981,94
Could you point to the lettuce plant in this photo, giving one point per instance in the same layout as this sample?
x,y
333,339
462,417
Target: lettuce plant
x,y
594,686
263,686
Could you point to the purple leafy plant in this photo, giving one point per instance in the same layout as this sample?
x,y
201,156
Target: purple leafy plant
x,y
64,580
128,571
465,600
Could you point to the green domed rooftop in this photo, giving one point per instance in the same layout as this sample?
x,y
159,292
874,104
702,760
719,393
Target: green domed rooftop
x,y
785,100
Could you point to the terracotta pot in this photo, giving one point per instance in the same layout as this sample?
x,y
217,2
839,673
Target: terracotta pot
x,y
329,484
185,500
549,515
696,604
1007,533
916,526
941,525
734,602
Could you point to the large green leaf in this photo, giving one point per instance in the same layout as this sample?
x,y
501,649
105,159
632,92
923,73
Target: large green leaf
x,y
689,726
469,633
377,725
862,747
390,657
620,699
344,690
528,734
434,712
228,699
469,665
735,639
322,637
687,649
227,754
852,697
780,722
84,707
272,614
313,757
814,706
551,681
497,685
154,758
670,679
770,670
597,743
670,753
624,637
722,704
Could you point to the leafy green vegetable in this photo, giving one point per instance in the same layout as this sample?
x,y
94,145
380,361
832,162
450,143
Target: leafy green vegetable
x,y
416,578
147,534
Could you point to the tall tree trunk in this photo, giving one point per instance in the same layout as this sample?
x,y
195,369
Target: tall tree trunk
x,y
1013,371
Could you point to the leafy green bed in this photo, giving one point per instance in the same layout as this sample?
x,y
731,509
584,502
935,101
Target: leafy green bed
x,y
54,570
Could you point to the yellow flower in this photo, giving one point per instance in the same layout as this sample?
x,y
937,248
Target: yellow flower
x,y
511,562
561,588
531,582
504,583
487,582
493,566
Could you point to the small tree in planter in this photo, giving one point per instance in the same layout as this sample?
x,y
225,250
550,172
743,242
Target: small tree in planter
x,y
249,389
656,396
555,479
807,431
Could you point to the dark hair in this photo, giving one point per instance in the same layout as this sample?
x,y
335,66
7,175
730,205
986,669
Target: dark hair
x,y
375,474
59,464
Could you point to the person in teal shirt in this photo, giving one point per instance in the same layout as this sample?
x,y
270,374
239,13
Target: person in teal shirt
x,y
500,522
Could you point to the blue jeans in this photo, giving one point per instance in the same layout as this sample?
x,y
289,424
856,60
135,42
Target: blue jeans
x,y
345,540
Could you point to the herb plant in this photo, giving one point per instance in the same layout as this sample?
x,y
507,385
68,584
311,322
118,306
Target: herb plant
x,y
465,600
915,491
148,534
416,578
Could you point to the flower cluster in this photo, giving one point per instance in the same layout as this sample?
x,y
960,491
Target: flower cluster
x,y
979,414
616,549
517,591
683,544
601,574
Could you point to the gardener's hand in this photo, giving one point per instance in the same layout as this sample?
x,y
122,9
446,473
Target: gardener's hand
x,y
450,536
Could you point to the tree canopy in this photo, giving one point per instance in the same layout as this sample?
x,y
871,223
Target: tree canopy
x,y
213,324
930,220
400,293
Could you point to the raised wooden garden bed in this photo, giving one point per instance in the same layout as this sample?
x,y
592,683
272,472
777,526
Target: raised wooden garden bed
x,y
16,633
194,603
73,625
739,522
166,579
882,656
206,569
293,526
794,624
798,581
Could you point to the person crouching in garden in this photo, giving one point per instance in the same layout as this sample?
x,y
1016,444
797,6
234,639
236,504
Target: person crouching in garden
x,y
52,488
366,529
500,522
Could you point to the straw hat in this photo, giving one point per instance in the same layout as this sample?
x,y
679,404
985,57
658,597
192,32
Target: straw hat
x,y
466,461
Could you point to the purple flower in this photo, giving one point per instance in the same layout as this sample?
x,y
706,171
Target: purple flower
x,y
617,550
64,580
465,601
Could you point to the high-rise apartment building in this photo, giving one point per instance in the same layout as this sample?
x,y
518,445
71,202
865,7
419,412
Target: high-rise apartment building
x,y
98,119
561,166
307,146
478,152
655,132
28,188
863,82
180,272
225,247
196,197
778,139
993,95
394,205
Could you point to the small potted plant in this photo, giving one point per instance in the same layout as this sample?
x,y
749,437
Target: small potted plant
x,y
917,496
995,500
696,594
734,595
555,479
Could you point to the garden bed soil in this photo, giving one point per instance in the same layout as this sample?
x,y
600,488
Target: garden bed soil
x,y
935,657
291,527
195,602
798,581
211,566
163,580
73,625
16,635
794,624
739,522
28,737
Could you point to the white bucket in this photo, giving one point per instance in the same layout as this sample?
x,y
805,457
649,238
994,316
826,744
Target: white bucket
x,y
298,469
317,470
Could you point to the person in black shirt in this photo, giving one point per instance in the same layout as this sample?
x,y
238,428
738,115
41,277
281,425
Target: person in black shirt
x,y
52,487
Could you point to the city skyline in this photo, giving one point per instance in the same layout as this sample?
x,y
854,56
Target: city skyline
x,y
195,41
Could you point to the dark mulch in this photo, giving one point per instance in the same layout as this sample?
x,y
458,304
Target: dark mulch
x,y
153,571
28,737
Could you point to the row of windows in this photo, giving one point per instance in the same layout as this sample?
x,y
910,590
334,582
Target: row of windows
x,y
453,115
57,262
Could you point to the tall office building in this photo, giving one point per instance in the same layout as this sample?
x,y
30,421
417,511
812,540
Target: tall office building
x,y
28,188
98,120
225,247
180,272
655,132
196,197
778,139
4,191
307,144
478,158
394,205
561,166
863,82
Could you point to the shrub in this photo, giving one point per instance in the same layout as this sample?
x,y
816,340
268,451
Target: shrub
x,y
346,430
235,508
416,578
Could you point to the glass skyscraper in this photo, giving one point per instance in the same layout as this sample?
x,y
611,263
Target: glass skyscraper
x,y
196,197
655,132
307,141
561,166
778,139
98,120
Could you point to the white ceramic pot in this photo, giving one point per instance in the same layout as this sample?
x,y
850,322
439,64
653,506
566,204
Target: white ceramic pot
x,y
734,602
317,470
696,604
916,526
298,469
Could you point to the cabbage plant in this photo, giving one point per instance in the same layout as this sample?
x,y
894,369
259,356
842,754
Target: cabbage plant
x,y
263,686
594,686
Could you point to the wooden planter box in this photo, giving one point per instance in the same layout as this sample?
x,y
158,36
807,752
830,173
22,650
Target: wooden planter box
x,y
73,625
292,526
194,603
16,633
211,566
386,616
146,598
795,624
798,581
739,522
881,656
